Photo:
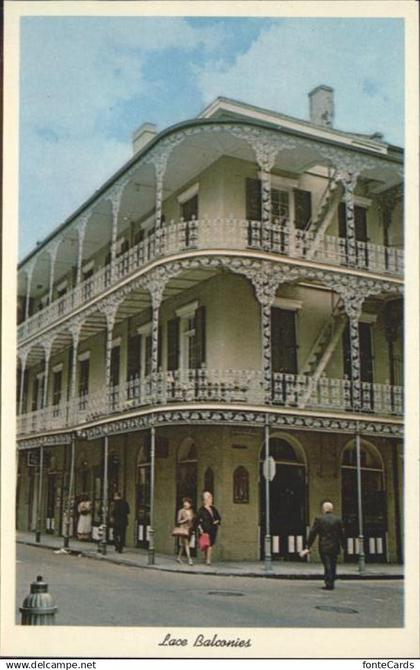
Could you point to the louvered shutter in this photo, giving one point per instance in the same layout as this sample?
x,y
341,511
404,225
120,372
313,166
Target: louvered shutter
x,y
173,344
342,222
133,356
283,341
253,199
200,336
303,208
159,347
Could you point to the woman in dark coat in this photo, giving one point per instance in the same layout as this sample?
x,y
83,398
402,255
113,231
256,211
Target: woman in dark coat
x,y
208,522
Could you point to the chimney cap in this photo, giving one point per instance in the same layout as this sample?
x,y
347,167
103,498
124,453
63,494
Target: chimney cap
x,y
321,87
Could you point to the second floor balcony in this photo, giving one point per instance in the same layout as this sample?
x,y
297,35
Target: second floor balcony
x,y
278,237
203,386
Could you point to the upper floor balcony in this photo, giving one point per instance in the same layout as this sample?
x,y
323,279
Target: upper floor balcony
x,y
277,237
241,186
225,387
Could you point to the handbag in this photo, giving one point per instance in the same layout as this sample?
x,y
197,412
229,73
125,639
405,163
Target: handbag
x,y
178,531
204,541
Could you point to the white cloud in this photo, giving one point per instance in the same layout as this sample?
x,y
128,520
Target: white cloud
x,y
287,60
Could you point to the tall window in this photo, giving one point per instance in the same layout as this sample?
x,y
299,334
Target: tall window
x,y
283,340
303,208
187,338
279,202
365,352
57,386
84,378
189,209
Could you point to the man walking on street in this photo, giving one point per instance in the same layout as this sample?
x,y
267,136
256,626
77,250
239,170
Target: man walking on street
x,y
120,512
329,529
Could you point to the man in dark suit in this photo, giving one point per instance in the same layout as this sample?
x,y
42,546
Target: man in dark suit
x,y
329,529
120,511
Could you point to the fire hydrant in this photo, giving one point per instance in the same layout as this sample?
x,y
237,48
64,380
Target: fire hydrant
x,y
38,608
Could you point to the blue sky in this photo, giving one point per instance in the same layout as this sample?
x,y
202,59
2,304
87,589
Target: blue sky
x,y
87,83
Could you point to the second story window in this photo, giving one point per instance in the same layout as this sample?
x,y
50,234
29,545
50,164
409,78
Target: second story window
x,y
283,340
57,385
189,209
186,345
303,208
83,377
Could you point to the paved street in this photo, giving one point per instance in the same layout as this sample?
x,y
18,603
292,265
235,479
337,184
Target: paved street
x,y
94,593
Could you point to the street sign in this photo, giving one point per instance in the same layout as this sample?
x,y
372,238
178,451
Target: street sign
x,y
269,468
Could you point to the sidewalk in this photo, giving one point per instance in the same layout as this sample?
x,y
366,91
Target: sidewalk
x,y
280,569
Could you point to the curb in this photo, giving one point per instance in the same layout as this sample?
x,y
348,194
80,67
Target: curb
x,y
265,575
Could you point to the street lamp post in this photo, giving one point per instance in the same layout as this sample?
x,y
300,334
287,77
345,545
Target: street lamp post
x,y
69,502
267,539
103,539
361,553
39,497
151,549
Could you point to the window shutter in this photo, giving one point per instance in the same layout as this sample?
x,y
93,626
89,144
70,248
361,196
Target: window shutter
x,y
200,336
253,199
283,341
159,347
173,344
342,222
133,356
303,208
115,366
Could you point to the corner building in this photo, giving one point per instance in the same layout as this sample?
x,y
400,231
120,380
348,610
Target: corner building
x,y
235,288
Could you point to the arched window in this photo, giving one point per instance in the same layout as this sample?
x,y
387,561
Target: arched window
x,y
241,485
281,450
368,459
209,480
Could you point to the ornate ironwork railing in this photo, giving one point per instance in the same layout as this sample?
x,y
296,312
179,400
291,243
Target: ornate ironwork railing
x,y
221,386
277,237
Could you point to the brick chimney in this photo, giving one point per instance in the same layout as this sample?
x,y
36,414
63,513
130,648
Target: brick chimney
x,y
143,136
321,106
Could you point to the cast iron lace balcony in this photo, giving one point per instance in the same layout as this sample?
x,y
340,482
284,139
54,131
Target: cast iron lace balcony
x,y
278,237
244,387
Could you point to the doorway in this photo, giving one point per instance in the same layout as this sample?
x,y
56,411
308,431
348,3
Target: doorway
x,y
187,480
373,504
143,495
288,501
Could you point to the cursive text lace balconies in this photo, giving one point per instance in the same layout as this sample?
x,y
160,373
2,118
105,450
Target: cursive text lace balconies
x,y
277,237
244,387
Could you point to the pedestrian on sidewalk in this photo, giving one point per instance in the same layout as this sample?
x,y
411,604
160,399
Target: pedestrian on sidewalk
x,y
119,520
84,522
186,522
208,523
329,529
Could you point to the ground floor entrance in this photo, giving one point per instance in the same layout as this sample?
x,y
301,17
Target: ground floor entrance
x,y
309,468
